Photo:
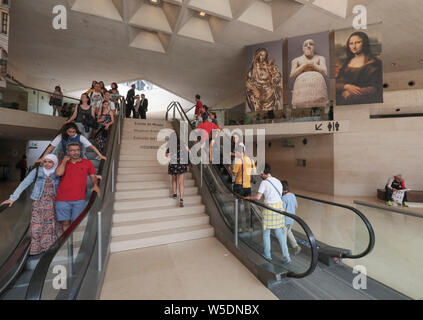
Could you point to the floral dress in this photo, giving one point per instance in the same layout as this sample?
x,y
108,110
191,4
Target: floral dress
x,y
45,229
101,136
175,168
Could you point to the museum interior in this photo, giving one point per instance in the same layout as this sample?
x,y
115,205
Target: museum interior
x,y
323,95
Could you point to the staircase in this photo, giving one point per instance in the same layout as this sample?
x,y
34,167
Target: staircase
x,y
145,215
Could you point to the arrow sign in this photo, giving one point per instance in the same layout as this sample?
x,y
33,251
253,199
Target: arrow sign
x,y
318,127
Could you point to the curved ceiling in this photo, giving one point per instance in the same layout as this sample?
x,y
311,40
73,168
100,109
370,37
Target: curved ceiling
x,y
174,47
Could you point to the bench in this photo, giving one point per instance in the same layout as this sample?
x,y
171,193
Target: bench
x,y
412,196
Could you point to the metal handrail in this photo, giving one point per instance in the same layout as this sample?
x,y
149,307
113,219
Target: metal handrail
x,y
372,237
308,232
37,281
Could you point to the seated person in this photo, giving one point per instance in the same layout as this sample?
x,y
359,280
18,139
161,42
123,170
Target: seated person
x,y
395,183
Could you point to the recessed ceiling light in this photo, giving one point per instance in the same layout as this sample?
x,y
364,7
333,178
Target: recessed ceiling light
x,y
155,1
202,14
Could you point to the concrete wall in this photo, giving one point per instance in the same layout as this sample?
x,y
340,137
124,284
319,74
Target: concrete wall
x,y
317,175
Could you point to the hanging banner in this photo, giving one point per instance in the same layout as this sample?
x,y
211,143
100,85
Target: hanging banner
x,y
308,58
264,77
358,68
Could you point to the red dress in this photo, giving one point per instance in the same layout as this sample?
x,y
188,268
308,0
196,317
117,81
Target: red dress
x,y
45,229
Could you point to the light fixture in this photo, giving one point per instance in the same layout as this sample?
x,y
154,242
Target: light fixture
x,y
202,14
155,2
394,64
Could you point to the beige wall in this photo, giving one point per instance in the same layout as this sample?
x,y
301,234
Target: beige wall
x,y
12,152
375,149
317,176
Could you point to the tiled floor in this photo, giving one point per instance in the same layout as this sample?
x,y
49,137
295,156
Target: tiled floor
x,y
191,270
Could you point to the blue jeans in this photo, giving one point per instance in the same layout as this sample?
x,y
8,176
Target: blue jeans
x,y
280,234
69,210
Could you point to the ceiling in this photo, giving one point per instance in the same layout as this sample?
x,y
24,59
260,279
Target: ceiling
x,y
172,46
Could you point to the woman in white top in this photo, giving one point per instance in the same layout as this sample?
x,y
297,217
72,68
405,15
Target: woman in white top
x,y
271,189
70,133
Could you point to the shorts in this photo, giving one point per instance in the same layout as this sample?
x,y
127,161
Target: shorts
x,y
69,210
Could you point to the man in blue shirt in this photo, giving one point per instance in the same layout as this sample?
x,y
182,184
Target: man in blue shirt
x,y
291,204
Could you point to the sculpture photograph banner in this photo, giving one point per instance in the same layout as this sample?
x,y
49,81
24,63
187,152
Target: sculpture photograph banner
x,y
308,61
264,77
358,66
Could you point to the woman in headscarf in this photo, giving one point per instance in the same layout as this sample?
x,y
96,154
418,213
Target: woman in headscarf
x,y
45,229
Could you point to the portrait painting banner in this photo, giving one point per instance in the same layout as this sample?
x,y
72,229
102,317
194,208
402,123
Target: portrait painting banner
x,y
308,62
358,66
264,89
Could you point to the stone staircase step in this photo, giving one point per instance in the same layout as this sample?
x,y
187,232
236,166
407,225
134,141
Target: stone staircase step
x,y
156,238
148,177
139,164
152,193
143,185
158,224
147,156
128,144
162,212
143,170
153,203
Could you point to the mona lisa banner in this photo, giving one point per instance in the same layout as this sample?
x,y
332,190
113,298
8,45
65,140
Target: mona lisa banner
x,y
264,77
358,66
308,63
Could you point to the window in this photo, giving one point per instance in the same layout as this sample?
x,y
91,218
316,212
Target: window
x,y
6,2
4,22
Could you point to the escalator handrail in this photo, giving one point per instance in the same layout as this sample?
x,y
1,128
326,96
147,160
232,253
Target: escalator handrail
x,y
307,230
36,284
370,230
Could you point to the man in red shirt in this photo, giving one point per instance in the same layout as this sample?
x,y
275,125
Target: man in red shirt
x,y
70,199
198,108
206,129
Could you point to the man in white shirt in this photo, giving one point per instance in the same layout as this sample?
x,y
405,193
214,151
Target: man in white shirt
x,y
271,189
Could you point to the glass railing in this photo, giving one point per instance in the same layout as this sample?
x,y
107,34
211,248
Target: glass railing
x,y
20,97
245,219
72,253
344,230
238,116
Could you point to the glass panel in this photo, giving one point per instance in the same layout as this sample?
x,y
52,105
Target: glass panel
x,y
334,226
67,263
28,99
250,226
396,259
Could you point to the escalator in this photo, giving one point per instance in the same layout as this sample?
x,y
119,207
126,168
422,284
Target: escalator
x,y
318,271
23,276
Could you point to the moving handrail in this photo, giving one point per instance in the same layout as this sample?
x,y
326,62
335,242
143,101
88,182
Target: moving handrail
x,y
36,284
372,237
308,232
